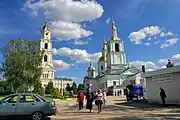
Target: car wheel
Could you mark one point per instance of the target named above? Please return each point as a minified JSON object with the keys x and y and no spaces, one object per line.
{"x":37,"y":116}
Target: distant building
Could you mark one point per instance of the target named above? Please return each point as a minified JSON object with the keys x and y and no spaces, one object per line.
{"x":61,"y":83}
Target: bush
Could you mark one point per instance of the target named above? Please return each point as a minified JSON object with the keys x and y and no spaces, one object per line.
{"x":56,"y":93}
{"x":66,"y":93}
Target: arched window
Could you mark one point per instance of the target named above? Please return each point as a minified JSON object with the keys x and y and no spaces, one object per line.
{"x":116,"y":47}
{"x":101,"y":67}
{"x":45,"y":58}
{"x":46,"y":46}
{"x":92,"y":74}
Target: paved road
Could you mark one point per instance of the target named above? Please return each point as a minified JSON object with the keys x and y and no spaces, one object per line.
{"x":118,"y":109}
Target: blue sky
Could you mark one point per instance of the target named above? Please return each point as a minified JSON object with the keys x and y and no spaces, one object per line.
{"x":149,"y":28}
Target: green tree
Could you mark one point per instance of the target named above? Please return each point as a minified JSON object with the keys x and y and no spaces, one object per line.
{"x":22,"y":64}
{"x":66,"y":93}
{"x":74,"y":88}
{"x":80,"y":87}
{"x":56,"y":93}
{"x":68,"y":87}
{"x":49,"y":88}
{"x":38,"y":89}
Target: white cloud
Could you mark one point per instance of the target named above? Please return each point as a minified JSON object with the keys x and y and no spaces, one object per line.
{"x":157,"y":42}
{"x":147,"y":44}
{"x":66,"y":15}
{"x":149,"y":66}
{"x":137,"y":37}
{"x":149,"y":33}
{"x":80,"y":42}
{"x":169,"y":42}
{"x":68,"y":30}
{"x":175,"y":59}
{"x":166,"y":34}
{"x":81,"y":56}
{"x":149,"y":39}
{"x":61,"y":65}
{"x":108,"y":20}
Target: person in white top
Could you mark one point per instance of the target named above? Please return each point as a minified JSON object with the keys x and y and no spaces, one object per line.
{"x":99,"y":100}
{"x":104,"y":97}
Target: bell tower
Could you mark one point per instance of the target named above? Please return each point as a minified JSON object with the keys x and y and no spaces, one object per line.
{"x":115,"y":54}
{"x":46,"y":47}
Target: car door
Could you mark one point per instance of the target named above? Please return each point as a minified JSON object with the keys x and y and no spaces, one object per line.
{"x":8,"y":105}
{"x":26,"y":105}
{"x":40,"y":104}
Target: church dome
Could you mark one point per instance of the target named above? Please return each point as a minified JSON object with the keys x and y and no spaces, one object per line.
{"x":46,"y":27}
{"x":91,"y":68}
{"x":102,"y":59}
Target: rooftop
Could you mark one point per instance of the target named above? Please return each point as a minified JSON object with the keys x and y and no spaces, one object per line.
{"x":162,"y":71}
{"x":61,"y":78}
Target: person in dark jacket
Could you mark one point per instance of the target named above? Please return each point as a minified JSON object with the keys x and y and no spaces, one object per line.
{"x":163,"y":96}
{"x":90,"y":98}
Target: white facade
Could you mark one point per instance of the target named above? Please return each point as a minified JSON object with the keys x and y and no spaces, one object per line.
{"x":111,"y":66}
{"x":61,"y":83}
{"x":46,"y":46}
{"x":168,"y":79}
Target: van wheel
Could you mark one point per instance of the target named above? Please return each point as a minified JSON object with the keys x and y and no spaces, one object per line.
{"x":37,"y":116}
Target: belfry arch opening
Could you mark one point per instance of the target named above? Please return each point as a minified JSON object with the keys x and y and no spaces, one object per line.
{"x":45,"y":58}
{"x":46,"y":46}
{"x":116,"y":47}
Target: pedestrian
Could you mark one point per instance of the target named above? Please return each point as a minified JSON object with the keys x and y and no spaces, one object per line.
{"x":99,"y":100}
{"x":104,"y":97}
{"x":127,"y":94}
{"x":118,"y":93}
{"x":163,"y":96}
{"x":80,"y":98}
{"x":90,"y":98}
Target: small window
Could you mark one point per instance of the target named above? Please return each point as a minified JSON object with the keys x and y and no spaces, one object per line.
{"x":114,"y":83}
{"x":46,"y":46}
{"x":26,"y":99}
{"x":11,"y":99}
{"x":45,"y":58}
{"x":47,"y":76}
{"x":101,"y":67}
{"x":116,"y":47}
{"x":36,"y":98}
{"x":92,"y":74}
{"x":47,"y":33}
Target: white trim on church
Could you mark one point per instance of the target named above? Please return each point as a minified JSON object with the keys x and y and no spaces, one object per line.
{"x":113,"y":71}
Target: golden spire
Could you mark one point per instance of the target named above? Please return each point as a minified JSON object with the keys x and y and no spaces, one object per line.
{"x":114,"y":31}
{"x":46,"y":26}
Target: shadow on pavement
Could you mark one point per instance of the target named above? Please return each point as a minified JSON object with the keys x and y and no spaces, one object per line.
{"x":20,"y":118}
{"x":142,"y":118}
{"x":146,"y":105}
